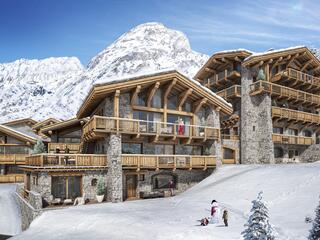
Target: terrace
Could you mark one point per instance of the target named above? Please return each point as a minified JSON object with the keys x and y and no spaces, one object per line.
{"x":98,"y":126}
{"x":291,"y":139}
{"x":295,"y":116}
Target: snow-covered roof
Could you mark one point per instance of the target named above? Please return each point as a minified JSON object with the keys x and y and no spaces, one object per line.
{"x":273,"y":51}
{"x":24,"y":134}
{"x":233,"y":51}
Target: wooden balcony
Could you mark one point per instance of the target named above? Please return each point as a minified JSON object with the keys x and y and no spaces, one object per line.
{"x":66,"y":161}
{"x":11,"y":178}
{"x":290,"y":139}
{"x":18,"y":159}
{"x":230,"y":137}
{"x":297,"y":79}
{"x":73,"y":147}
{"x":282,"y":92}
{"x":99,"y":126}
{"x":224,"y":78}
{"x":231,"y":92}
{"x":295,"y":116}
{"x":156,"y":162}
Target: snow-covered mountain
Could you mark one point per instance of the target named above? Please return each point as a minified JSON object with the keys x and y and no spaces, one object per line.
{"x":55,"y":87}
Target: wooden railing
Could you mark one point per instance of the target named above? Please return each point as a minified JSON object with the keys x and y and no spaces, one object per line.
{"x":302,"y":77}
{"x":73,"y":147}
{"x":295,"y":115}
{"x":141,"y":127}
{"x":142,"y":161}
{"x":229,"y":161}
{"x":11,"y":178}
{"x":43,"y":160}
{"x":231,"y":92}
{"x":278,"y":90}
{"x":18,"y":159}
{"x":223,"y":75}
{"x":230,"y":137}
{"x":290,"y":139}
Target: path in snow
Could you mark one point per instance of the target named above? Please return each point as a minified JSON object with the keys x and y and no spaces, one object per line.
{"x":10,"y":221}
{"x":290,"y":190}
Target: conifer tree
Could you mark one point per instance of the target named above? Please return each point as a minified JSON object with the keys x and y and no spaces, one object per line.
{"x":39,"y":148}
{"x":258,"y":226}
{"x":315,"y":231}
{"x":101,"y":187}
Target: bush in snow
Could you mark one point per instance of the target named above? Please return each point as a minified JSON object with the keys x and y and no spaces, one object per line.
{"x":315,"y":231}
{"x":101,"y":187}
{"x":39,"y":148}
{"x":258,"y":226}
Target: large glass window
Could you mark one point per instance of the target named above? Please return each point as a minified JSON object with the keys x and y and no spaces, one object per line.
{"x":278,"y":152}
{"x":156,"y":100}
{"x":278,"y":130}
{"x":293,"y":132}
{"x":307,"y":133}
{"x":172,"y":102}
{"x":131,"y":148}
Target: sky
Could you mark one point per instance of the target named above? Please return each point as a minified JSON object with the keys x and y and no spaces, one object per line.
{"x":37,"y":29}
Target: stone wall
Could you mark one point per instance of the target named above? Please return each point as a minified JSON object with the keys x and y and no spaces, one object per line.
{"x":29,"y":210}
{"x":311,"y":154}
{"x":44,"y":185}
{"x":114,"y":175}
{"x":88,"y":189}
{"x":256,"y":123}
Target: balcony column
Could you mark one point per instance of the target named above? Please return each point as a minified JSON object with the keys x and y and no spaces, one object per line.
{"x":114,"y":175}
{"x":212,"y":116}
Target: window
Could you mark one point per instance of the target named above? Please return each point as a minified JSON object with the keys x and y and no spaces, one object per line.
{"x":156,"y":100}
{"x":293,"y":132}
{"x":141,"y":177}
{"x":172,"y":102}
{"x":162,"y":180}
{"x":307,"y":133}
{"x":293,"y":153}
{"x":142,"y":99}
{"x":35,"y":180}
{"x":228,"y":153}
{"x":278,"y":152}
{"x":94,"y":182}
{"x":187,"y":107}
{"x":278,"y":130}
{"x":131,"y":148}
{"x":254,"y":128}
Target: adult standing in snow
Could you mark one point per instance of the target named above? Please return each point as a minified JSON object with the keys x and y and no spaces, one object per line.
{"x":215,"y":212}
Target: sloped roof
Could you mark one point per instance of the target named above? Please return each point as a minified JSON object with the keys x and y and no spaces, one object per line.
{"x":22,"y":120}
{"x":23,"y":136}
{"x":100,"y":91}
{"x":44,"y":123}
{"x":63,"y":124}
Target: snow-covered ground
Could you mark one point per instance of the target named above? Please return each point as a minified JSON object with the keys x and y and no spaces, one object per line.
{"x":291,"y":192}
{"x":10,"y":223}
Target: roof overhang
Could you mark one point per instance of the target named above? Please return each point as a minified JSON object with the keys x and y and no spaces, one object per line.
{"x":28,"y":121}
{"x":43,"y":123}
{"x":74,"y":122}
{"x":99,"y":91}
{"x":18,"y":135}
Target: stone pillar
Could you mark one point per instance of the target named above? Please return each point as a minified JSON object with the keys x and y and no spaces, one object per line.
{"x":2,"y":169}
{"x":256,"y":123}
{"x":213,"y":120}
{"x":114,"y":175}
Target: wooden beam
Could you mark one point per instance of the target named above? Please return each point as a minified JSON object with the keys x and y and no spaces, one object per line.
{"x":183,"y":97}
{"x":116,"y":103}
{"x":306,"y":65}
{"x":135,"y":94}
{"x":236,"y":58}
{"x":207,"y":69}
{"x":292,"y":59}
{"x":199,"y":104}
{"x":152,"y":92}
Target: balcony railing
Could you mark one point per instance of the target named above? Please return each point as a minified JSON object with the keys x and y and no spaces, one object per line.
{"x":98,"y":124}
{"x":290,"y":139}
{"x":73,"y":147}
{"x":223,"y":76}
{"x":142,"y":161}
{"x":295,"y":115}
{"x":285,"y":92}
{"x":13,"y":154}
{"x":129,"y":161}
{"x":231,"y":92}
{"x":11,"y":178}
{"x":230,"y":137}
{"x":298,"y":76}
{"x":67,"y":160}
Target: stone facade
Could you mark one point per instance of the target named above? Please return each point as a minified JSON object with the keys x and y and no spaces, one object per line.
{"x":256,"y":123}
{"x":114,"y":175}
{"x":43,"y":186}
{"x":311,"y":154}
{"x":89,"y":179}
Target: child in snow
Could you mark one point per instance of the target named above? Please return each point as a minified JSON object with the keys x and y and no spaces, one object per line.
{"x":225,"y":217}
{"x":204,"y":222}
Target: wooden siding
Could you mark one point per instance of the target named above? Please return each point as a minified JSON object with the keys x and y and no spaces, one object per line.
{"x":290,"y":139}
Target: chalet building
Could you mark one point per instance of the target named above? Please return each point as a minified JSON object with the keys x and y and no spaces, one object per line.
{"x":276,"y":103}
{"x":47,"y":122}
{"x":137,"y":134}
{"x":16,"y":142}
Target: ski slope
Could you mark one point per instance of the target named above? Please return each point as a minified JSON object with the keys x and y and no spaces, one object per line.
{"x":291,"y":192}
{"x":10,"y":223}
